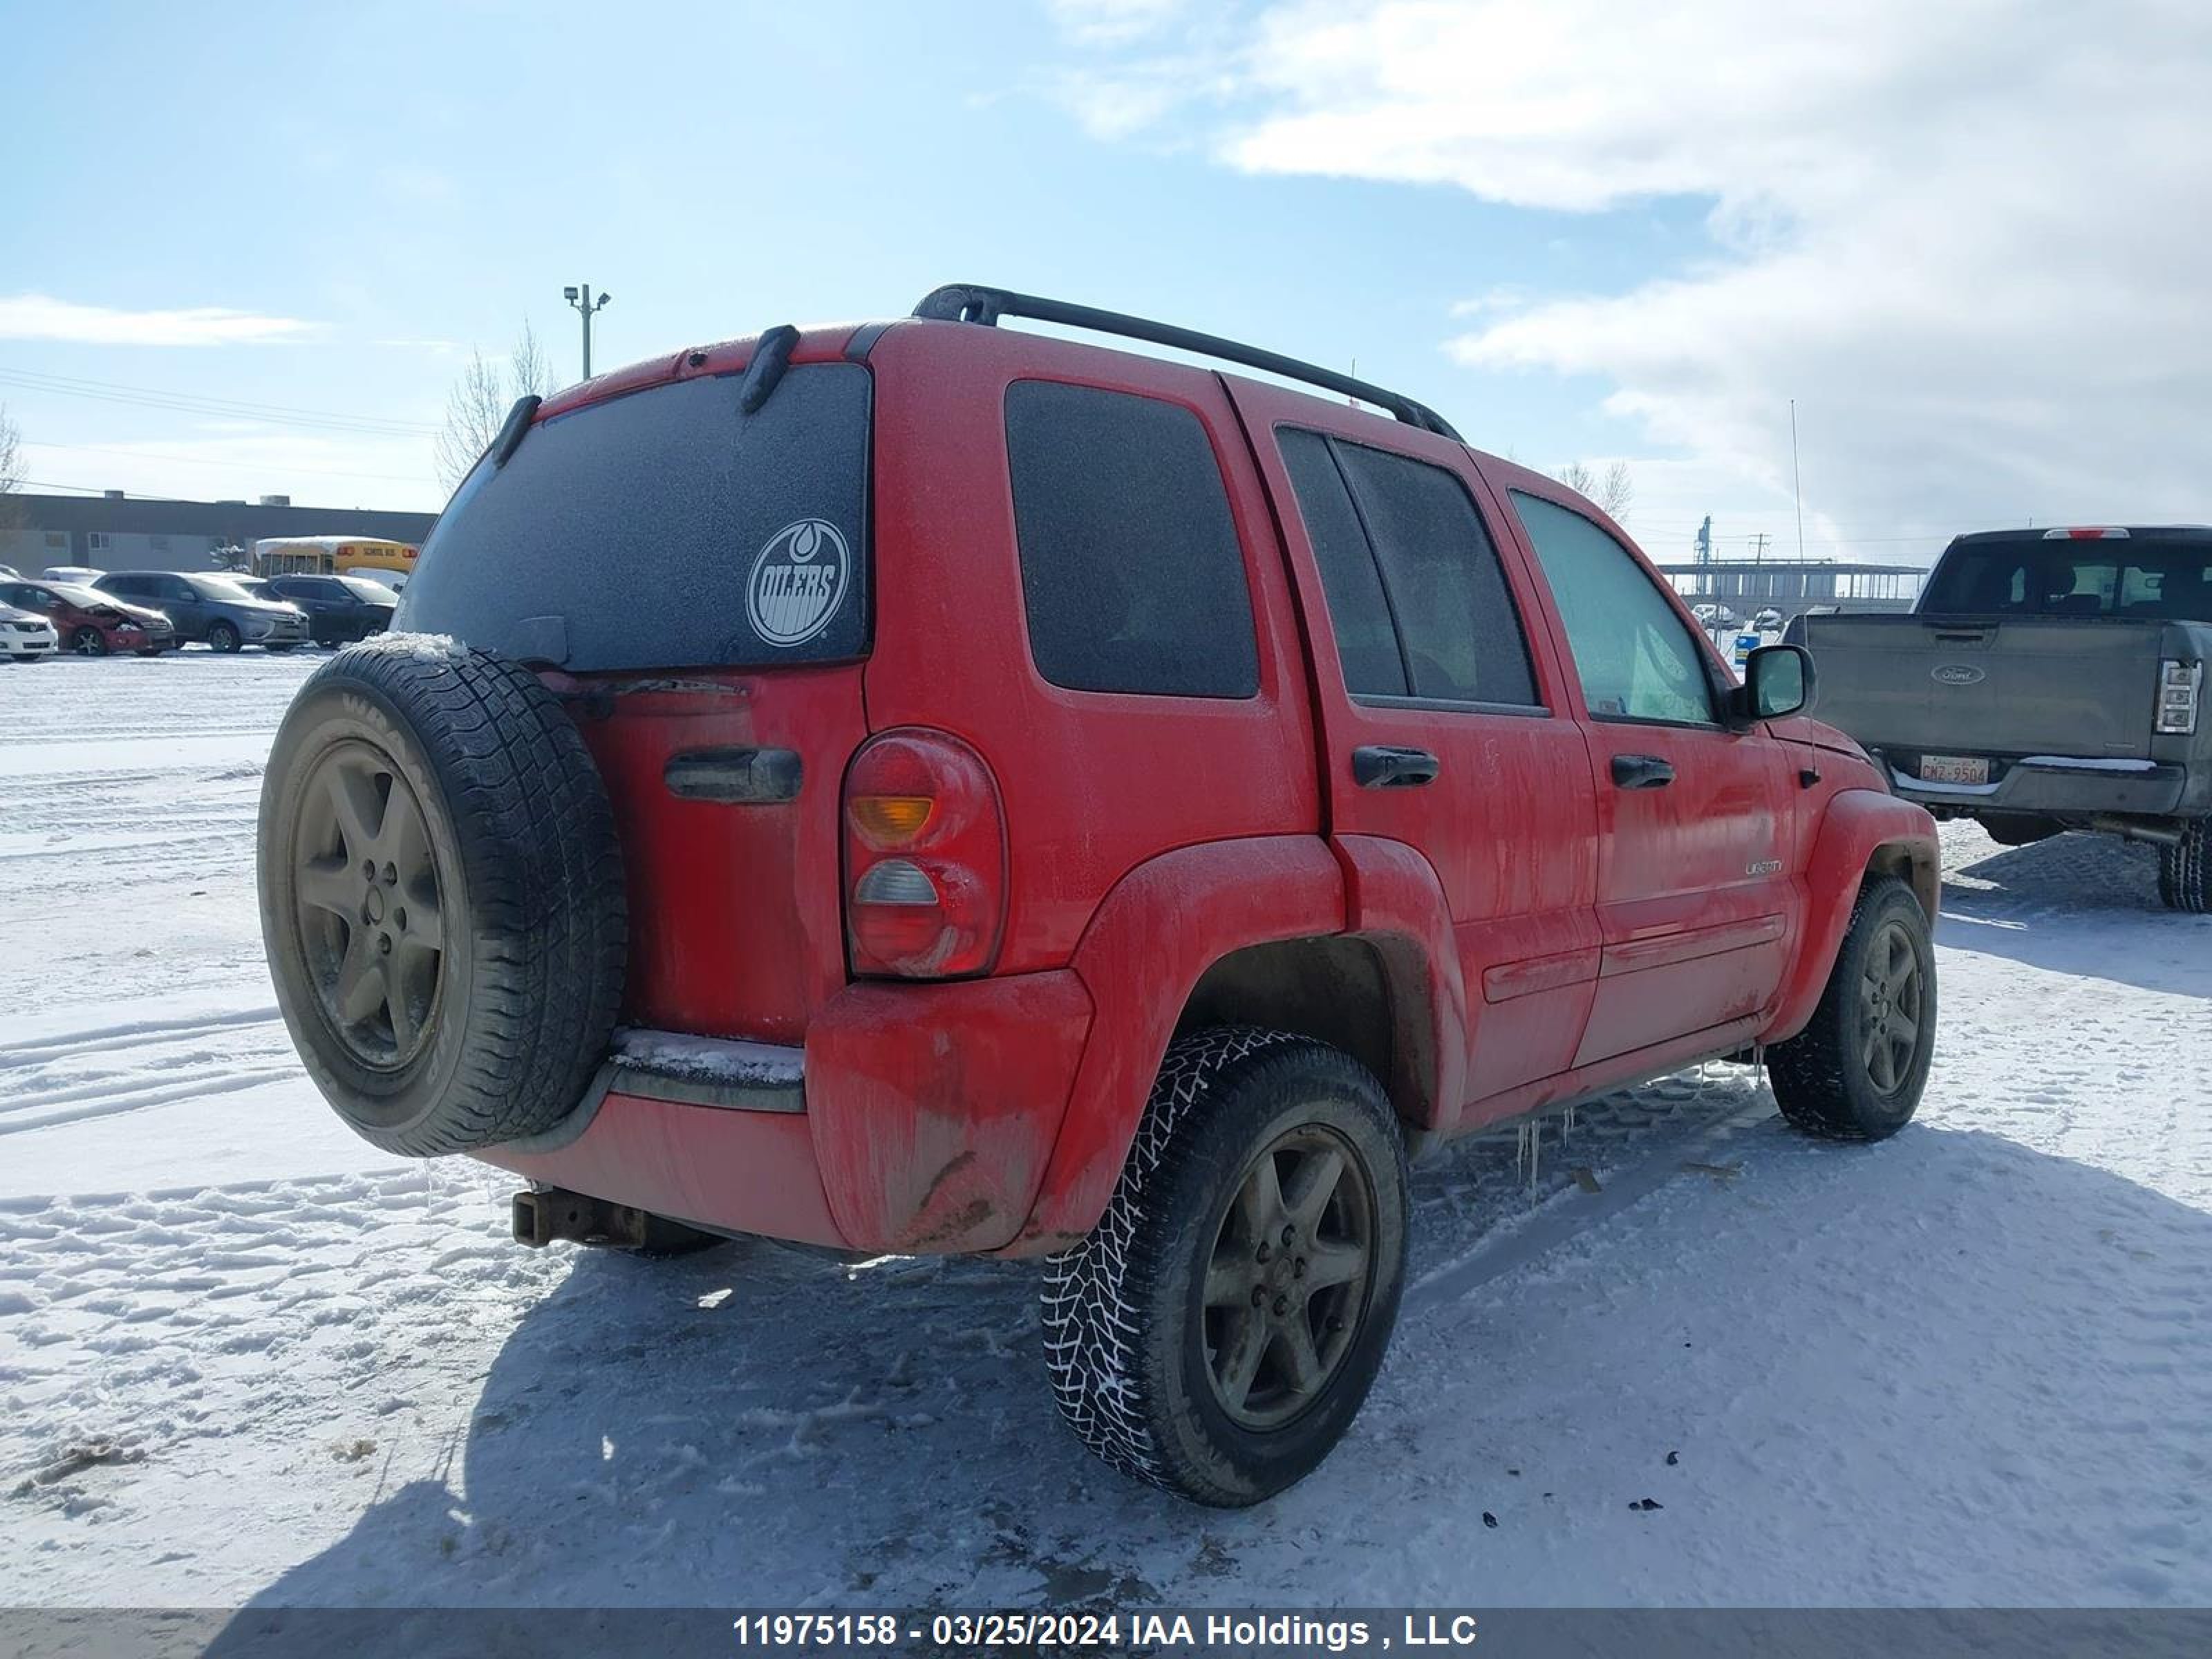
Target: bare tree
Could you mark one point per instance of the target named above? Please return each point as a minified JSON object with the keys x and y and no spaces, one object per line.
{"x":1613,"y":494}
{"x":477,"y":405}
{"x":11,"y":470}
{"x":529,"y":371}
{"x":1617,"y":493}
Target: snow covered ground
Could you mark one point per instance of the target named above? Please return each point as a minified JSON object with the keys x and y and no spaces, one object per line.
{"x":244,"y":1357}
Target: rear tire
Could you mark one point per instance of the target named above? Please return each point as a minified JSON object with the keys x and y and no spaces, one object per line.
{"x":1856,"y":1071}
{"x":441,"y":897}
{"x":2185,"y":870}
{"x":1217,"y":1332}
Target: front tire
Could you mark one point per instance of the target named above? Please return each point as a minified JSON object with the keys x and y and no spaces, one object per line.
{"x":2185,"y":869}
{"x":1219,"y":1330}
{"x":1856,"y":1071}
{"x":88,"y":642}
{"x":223,"y":637}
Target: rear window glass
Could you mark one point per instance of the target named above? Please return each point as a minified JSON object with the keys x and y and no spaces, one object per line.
{"x":2102,"y":578}
{"x":1132,"y":574}
{"x":665,"y":529}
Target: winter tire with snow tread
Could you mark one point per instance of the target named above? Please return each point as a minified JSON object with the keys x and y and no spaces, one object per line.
{"x":1217,"y":1331}
{"x":2185,"y":869}
{"x":441,"y":895}
{"x":1856,"y":1071}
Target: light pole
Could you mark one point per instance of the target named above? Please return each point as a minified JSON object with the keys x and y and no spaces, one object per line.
{"x":580,"y":298}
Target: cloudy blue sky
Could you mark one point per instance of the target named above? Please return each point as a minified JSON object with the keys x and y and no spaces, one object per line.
{"x":247,"y":246}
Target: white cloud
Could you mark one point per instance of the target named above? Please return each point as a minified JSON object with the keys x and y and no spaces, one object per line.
{"x":1112,"y":23}
{"x":38,"y":317}
{"x":1971,"y":239}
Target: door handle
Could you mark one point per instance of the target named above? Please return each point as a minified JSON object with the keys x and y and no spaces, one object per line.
{"x":1641,"y":772}
{"x":1385,"y":766}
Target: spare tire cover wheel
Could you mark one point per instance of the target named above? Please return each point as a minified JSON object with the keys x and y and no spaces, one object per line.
{"x":441,"y":895}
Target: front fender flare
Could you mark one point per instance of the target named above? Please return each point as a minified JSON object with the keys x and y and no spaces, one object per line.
{"x":1859,"y":827}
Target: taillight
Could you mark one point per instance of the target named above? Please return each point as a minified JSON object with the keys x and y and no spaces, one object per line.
{"x":2087,"y":532}
{"x":925,"y":858}
{"x":2179,"y":684}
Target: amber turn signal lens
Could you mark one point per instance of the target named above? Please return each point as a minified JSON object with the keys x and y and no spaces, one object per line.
{"x":889,"y":820}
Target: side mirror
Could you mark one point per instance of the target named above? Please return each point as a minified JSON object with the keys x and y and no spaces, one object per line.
{"x":1778,"y":680}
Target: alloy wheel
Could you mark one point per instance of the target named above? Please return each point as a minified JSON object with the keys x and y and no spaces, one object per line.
{"x":366,"y":904}
{"x":1890,"y":1006}
{"x":1288,"y":1278}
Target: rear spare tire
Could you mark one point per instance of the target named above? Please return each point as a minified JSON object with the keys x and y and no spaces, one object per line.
{"x":441,"y":895}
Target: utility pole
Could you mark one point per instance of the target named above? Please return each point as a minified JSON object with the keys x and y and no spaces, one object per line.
{"x":1758,"y":548}
{"x":1796,"y":479}
{"x":583,"y":302}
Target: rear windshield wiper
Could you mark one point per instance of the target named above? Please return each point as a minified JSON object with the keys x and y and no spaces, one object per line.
{"x":765,"y":372}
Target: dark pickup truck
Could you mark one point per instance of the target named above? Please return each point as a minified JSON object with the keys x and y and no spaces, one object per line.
{"x":2046,"y":680}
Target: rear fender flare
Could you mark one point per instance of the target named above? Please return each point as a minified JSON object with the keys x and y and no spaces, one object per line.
{"x":1864,"y":831}
{"x":1157,"y":931}
{"x":1395,"y":900}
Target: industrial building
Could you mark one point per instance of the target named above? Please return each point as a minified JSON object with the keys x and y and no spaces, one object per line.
{"x":115,"y":532}
{"x":1791,"y":586}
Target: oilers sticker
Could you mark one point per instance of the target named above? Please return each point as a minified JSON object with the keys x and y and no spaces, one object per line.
{"x":798,"y":581}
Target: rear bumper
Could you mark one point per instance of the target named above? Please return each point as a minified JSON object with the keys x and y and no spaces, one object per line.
{"x":2052,"y":785}
{"x":917,"y":1119}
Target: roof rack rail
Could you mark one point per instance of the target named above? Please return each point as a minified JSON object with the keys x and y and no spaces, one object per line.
{"x":966,"y":302}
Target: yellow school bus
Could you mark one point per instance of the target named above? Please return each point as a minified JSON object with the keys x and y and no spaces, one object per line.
{"x":387,"y":561}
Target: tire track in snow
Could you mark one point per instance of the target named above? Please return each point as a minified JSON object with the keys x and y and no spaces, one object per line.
{"x":110,"y":1071}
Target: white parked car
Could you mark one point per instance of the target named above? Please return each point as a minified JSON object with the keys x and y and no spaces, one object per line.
{"x":82,"y":575}
{"x":1768,"y":621}
{"x":24,"y":636}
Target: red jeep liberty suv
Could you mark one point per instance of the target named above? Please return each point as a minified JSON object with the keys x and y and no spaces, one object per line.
{"x":931,"y":786}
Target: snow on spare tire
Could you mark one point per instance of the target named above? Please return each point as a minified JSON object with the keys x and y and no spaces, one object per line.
{"x":441,"y":894}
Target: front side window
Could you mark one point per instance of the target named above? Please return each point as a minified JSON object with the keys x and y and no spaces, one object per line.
{"x":1635,"y":655}
{"x":1133,"y":577}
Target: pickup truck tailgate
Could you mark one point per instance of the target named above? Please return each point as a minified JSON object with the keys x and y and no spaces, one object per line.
{"x":2018,"y":685}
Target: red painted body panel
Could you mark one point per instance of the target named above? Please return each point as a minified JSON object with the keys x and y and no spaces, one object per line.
{"x":934,"y":1108}
{"x":1094,"y":784}
{"x":1696,"y":892}
{"x":1507,"y":783}
{"x":736,"y":925}
{"x":746,"y":1171}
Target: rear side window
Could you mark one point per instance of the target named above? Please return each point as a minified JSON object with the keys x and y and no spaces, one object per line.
{"x":1410,"y":573}
{"x":1132,"y":574}
{"x":1359,"y":610}
{"x":664,"y":529}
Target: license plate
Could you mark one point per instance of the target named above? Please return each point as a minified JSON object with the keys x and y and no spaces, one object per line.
{"x":1954,"y":768}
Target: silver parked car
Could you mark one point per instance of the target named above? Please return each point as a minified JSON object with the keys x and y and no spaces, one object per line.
{"x":212,"y":608}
